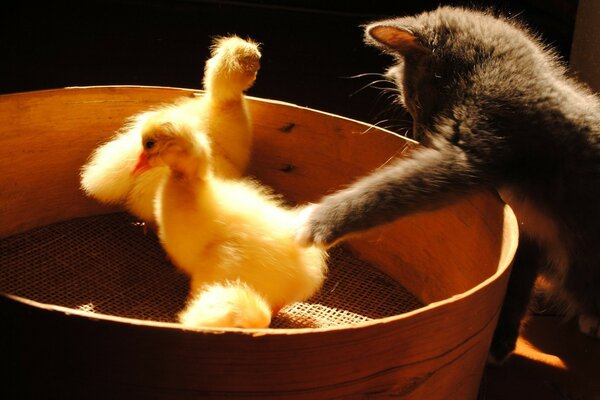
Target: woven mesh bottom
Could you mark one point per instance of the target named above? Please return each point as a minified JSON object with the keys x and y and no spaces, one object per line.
{"x":106,"y":264}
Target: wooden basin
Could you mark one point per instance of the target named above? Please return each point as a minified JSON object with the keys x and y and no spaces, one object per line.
{"x":455,"y":261}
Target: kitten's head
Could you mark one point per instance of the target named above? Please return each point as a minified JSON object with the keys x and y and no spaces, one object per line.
{"x":440,"y":56}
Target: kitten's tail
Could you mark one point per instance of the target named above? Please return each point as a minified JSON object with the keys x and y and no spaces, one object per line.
{"x":229,"y":304}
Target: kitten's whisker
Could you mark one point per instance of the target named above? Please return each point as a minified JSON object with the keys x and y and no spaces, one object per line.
{"x":390,"y":95}
{"x":397,"y":128}
{"x":393,"y":157}
{"x":400,"y":129}
{"x":363,"y":75}
{"x":391,"y":89}
{"x":379,"y":124}
{"x":375,"y":125}
{"x":388,"y":109}
{"x":370,"y":84}
{"x":400,"y":135}
{"x":385,"y":89}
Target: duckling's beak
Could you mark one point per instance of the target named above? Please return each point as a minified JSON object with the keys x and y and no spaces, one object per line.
{"x":142,"y":165}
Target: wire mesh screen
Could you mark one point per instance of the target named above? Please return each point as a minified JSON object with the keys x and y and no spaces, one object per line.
{"x":108,"y":264}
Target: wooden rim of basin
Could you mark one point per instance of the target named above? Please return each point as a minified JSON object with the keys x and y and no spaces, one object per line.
{"x":508,"y":249}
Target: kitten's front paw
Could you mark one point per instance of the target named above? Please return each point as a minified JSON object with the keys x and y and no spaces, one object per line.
{"x":589,"y":325}
{"x":309,"y":231}
{"x":304,"y":236}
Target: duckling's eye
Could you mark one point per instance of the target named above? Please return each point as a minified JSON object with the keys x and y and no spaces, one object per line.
{"x":148,"y":144}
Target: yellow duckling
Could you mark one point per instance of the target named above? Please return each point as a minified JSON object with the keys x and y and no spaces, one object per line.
{"x":221,"y":114}
{"x":233,"y":237}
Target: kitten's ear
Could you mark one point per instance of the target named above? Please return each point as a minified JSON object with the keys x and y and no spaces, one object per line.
{"x":396,"y":39}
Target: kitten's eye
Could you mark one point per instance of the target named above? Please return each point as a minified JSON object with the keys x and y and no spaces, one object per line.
{"x":148,"y":144}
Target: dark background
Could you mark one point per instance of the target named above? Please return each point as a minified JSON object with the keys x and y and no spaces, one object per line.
{"x":310,"y":48}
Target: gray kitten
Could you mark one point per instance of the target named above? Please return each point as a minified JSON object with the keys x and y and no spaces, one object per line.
{"x":493,"y":108}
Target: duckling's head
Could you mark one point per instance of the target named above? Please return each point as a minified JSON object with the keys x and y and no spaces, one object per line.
{"x":175,"y":144}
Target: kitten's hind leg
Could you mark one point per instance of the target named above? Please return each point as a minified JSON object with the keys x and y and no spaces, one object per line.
{"x":522,"y":279}
{"x":589,"y":325}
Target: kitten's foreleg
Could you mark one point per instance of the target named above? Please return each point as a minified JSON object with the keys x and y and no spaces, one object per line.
{"x":430,"y":178}
{"x":520,"y":285}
